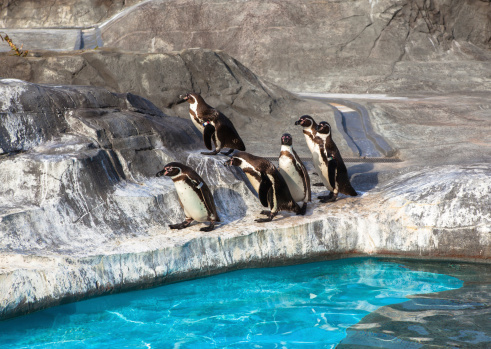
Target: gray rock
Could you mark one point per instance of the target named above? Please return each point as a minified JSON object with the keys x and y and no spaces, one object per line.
{"x":259,"y":110}
{"x":357,"y":46}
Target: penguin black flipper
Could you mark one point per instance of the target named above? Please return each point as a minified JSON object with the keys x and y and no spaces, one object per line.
{"x":200,"y":185}
{"x":208,"y":133}
{"x":227,"y":133}
{"x":210,"y":204}
{"x":305,"y":177}
{"x":264,"y":188}
{"x":331,"y":170}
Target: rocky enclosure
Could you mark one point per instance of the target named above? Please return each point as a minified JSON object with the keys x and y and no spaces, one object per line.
{"x":84,"y":132}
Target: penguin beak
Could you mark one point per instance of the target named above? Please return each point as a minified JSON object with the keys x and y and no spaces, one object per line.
{"x":164,"y":172}
{"x":317,"y":127}
{"x":184,"y":97}
{"x":228,"y":162}
{"x":297,"y":122}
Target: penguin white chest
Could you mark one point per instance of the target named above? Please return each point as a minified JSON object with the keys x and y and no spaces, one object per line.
{"x":308,"y":139}
{"x":249,"y":170}
{"x":292,"y":177}
{"x":254,"y":182}
{"x":193,"y":114}
{"x":193,"y":205}
{"x":321,"y":167}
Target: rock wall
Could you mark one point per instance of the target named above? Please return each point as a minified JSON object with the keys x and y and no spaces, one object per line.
{"x":357,"y":46}
{"x":58,"y":13}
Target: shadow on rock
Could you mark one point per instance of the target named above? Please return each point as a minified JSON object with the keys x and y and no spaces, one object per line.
{"x":230,"y":204}
{"x":361,"y":178}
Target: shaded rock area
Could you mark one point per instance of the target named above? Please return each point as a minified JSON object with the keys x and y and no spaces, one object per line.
{"x":338,"y":46}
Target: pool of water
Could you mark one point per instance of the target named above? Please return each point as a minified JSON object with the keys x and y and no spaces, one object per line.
{"x":309,"y":305}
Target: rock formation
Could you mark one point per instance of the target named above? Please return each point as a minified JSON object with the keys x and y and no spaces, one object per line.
{"x":356,"y":46}
{"x":84,"y":132}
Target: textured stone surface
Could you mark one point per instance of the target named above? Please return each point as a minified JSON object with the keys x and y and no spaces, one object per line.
{"x":338,"y":46}
{"x":58,"y":13}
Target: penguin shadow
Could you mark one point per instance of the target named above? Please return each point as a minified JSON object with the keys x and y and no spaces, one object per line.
{"x":230,"y":205}
{"x":362,"y":178}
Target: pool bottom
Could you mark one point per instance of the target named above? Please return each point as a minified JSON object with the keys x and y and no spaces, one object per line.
{"x":459,"y":318}
{"x":302,"y":306}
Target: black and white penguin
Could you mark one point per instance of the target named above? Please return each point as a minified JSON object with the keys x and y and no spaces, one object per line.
{"x":267,"y":181}
{"x":328,"y":161}
{"x":294,"y":172}
{"x":309,"y":129}
{"x":214,"y":126}
{"x":194,"y":196}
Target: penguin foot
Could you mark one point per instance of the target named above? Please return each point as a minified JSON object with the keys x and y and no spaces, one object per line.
{"x":209,"y":152}
{"x":227,"y":152}
{"x":182,"y":225}
{"x":329,"y":198}
{"x":268,"y":219}
{"x":318,"y":184}
{"x":209,"y":228}
{"x":262,"y":220}
{"x":266,"y":212}
{"x":303,"y":209}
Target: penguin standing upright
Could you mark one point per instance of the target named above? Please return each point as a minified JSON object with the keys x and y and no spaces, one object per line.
{"x":194,"y":196}
{"x":309,"y":129}
{"x":328,"y":160}
{"x":267,"y":181}
{"x":294,"y":172}
{"x":213,"y":125}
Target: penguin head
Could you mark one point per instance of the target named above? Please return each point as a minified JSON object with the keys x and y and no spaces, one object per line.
{"x":233,"y":161}
{"x":286,"y":139}
{"x":305,"y":121}
{"x":170,"y":170}
{"x":324,"y":128}
{"x":191,"y":98}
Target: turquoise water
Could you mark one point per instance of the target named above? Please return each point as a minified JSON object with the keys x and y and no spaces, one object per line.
{"x":303,"y":306}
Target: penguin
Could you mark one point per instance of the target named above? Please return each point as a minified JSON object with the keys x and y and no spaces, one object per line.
{"x":330,"y":164}
{"x":194,"y":196}
{"x":294,"y":172}
{"x":268,"y":182}
{"x":213,"y":125}
{"x":309,"y":129}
